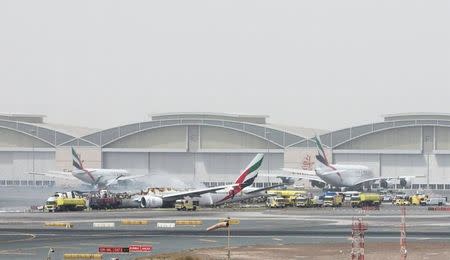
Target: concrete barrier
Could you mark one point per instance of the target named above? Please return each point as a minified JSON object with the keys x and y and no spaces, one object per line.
{"x":59,"y":224}
{"x":83,"y":256}
{"x":104,"y":225}
{"x":134,"y":222}
{"x":188,"y":222}
{"x":368,"y":208}
{"x":439,"y":208}
{"x":165,"y":225}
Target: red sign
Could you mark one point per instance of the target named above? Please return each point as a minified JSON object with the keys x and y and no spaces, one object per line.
{"x":140,"y":248}
{"x":109,"y":249}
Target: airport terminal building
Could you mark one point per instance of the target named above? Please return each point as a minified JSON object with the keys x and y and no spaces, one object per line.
{"x":214,"y":148}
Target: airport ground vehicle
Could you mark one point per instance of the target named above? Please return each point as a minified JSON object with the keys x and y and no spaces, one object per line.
{"x":65,"y":201}
{"x":387,"y":198}
{"x":186,"y":204}
{"x":439,"y":201}
{"x":308,"y":202}
{"x":288,"y":195}
{"x":303,"y":202}
{"x":418,"y":199}
{"x":366,"y":199}
{"x":275,"y":202}
{"x":290,"y":201}
{"x":332,"y":200}
{"x":348,"y":195}
{"x":317,"y":201}
{"x":401,"y":202}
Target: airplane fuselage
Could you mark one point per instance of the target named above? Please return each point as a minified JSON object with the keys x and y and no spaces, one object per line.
{"x":98,"y":176}
{"x":344,"y":175}
{"x":211,"y":199}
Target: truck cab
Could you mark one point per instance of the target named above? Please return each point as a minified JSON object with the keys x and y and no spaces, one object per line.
{"x":303,"y":202}
{"x":332,"y":200}
{"x":275,"y":202}
{"x":50,"y":204}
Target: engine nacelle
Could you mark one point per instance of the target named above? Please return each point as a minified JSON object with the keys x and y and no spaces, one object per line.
{"x":287,"y":180}
{"x":388,"y":183}
{"x":317,"y":184}
{"x":405,"y":182}
{"x":151,"y":202}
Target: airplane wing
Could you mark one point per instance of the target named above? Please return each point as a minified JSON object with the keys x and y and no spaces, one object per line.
{"x":130,"y":177}
{"x":388,"y":178}
{"x":56,"y":174}
{"x":122,"y":178}
{"x":263,"y":189}
{"x":299,"y":171}
{"x":296,"y":176}
{"x":194,"y":193}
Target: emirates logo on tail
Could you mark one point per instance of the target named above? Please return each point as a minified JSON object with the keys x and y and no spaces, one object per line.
{"x":308,"y":163}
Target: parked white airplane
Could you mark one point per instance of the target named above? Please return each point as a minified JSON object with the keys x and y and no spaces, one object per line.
{"x":341,"y":176}
{"x":98,"y":178}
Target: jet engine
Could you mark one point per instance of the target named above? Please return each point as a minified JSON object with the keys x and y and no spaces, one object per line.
{"x":318,"y":184}
{"x":388,"y":183}
{"x":404,"y":182}
{"x":287,"y":180}
{"x":151,"y":202}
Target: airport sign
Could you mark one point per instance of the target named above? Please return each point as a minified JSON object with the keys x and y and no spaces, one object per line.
{"x":113,"y":249}
{"x":141,"y":248}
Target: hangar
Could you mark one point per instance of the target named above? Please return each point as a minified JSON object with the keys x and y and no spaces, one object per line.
{"x":213,"y":148}
{"x":27,"y":144}
{"x":199,"y":147}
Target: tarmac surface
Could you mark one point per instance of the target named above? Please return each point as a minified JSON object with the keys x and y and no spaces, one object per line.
{"x":24,"y":236}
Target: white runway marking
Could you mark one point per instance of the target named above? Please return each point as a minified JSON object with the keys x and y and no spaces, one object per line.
{"x":208,"y":240}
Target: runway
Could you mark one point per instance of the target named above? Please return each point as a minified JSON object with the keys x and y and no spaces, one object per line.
{"x":24,"y":236}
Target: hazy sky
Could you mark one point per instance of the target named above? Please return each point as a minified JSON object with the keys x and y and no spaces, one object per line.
{"x":324,"y":64}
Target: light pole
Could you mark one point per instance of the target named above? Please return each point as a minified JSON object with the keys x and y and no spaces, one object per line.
{"x":229,"y":233}
{"x":268,"y":158}
{"x":33,"y":132}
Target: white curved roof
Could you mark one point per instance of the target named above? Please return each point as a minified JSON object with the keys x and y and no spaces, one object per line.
{"x":256,"y":119}
{"x":417,"y":116}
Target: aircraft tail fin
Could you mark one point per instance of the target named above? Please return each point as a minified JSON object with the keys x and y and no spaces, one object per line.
{"x":76,"y":161}
{"x":321,"y":156}
{"x":246,"y":178}
{"x":249,"y":174}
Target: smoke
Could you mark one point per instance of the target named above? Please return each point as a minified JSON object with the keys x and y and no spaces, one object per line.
{"x":167,"y":180}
